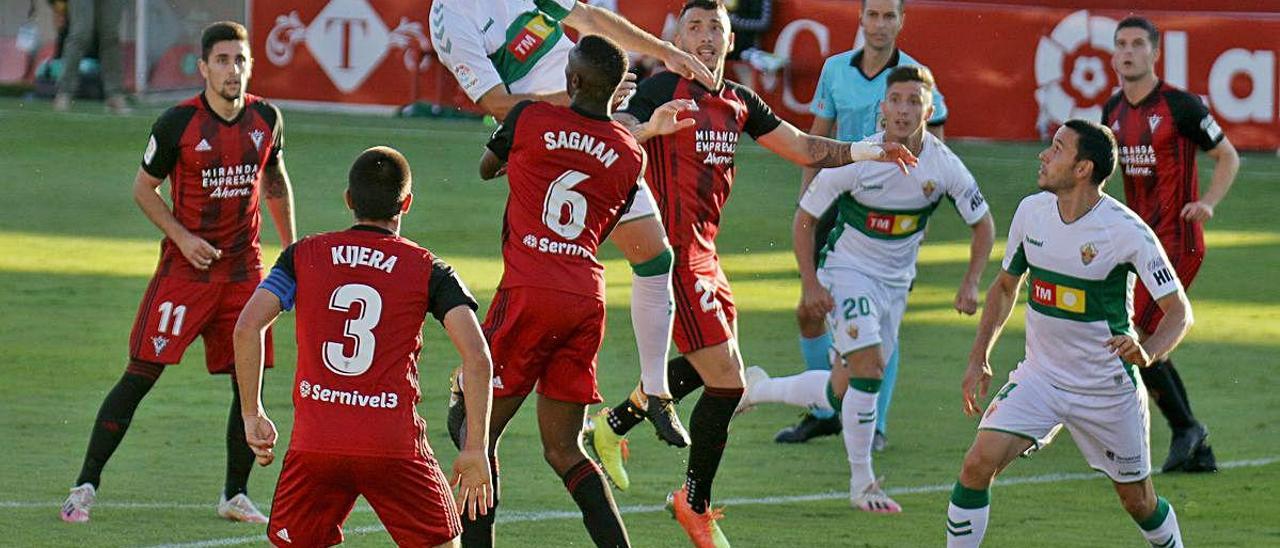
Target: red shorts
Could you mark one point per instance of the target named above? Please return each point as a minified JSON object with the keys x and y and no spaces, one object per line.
{"x":704,"y":306}
{"x":545,"y":337}
{"x":175,"y":310}
{"x":317,"y":491}
{"x":1146,"y":313}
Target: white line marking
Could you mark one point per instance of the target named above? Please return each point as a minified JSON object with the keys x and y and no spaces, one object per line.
{"x":548,"y":515}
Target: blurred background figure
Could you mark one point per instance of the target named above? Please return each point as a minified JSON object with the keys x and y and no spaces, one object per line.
{"x":89,"y":24}
{"x":749,"y":20}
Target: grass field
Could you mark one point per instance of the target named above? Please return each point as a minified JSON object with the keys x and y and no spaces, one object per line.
{"x":76,"y":256}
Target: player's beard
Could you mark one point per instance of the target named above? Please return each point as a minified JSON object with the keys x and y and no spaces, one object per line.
{"x":231,"y":92}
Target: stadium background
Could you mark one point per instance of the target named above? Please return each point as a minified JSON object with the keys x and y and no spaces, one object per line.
{"x":76,"y":255}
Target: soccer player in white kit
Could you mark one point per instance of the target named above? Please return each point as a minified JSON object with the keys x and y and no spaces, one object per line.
{"x":865,"y":270}
{"x":1078,"y":249}
{"x":503,"y":52}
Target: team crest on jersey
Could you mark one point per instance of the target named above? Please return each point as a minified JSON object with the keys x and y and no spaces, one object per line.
{"x":1154,"y":121}
{"x":1115,"y":126}
{"x":929,"y":187}
{"x":158,"y":342}
{"x":257,"y":136}
{"x":852,"y":331}
{"x":1088,"y":252}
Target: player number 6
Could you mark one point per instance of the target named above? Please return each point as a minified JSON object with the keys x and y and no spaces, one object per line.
{"x":560,"y":195}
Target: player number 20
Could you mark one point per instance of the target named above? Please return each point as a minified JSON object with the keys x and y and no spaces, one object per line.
{"x":359,"y":330}
{"x":560,"y":196}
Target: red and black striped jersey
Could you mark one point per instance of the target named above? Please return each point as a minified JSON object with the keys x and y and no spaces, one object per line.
{"x":1158,"y":138}
{"x":691,"y":171}
{"x":215,"y":168}
{"x":572,"y":175}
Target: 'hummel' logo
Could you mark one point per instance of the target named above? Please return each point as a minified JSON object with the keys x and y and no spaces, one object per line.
{"x":1035,"y":242}
{"x":203,"y":146}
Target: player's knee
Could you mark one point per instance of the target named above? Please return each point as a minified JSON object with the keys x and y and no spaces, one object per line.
{"x":978,"y":469}
{"x":1138,"y":503}
{"x":562,"y":458}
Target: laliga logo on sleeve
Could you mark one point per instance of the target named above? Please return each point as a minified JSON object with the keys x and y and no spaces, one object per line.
{"x":1072,"y":73}
{"x":304,"y":388}
{"x":348,"y":40}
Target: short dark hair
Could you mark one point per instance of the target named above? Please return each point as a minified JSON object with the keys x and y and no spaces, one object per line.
{"x":902,"y":6}
{"x":221,"y":32}
{"x":603,"y":63}
{"x":378,"y":183}
{"x":911,"y":73}
{"x":1096,"y":145}
{"x":1135,"y":22}
{"x":702,"y":5}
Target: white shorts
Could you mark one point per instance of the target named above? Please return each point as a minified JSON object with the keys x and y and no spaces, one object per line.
{"x":867,"y":312}
{"x":1112,"y":431}
{"x":641,"y":206}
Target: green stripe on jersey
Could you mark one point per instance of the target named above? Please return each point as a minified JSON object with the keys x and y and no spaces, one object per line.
{"x":882,"y":224}
{"x":552,"y":8}
{"x":1077,"y":299}
{"x":529,"y":37}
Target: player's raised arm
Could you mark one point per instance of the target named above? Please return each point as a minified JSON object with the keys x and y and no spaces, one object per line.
{"x":589,"y":19}
{"x":258,"y":314}
{"x":820,"y":152}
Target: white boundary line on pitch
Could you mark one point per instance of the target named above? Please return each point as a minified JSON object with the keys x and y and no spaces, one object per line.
{"x":548,"y":515}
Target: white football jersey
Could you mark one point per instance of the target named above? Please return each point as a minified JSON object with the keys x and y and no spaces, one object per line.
{"x":1080,"y":288}
{"x":882,"y":213}
{"x":485,"y":43}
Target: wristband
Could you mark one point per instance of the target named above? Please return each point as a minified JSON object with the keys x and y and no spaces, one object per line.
{"x":862,"y":151}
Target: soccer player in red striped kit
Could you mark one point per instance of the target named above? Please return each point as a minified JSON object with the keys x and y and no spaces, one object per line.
{"x":221,"y":151}
{"x":1159,"y":129}
{"x":362,"y":295}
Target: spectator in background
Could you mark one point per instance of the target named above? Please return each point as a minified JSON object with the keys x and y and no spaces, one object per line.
{"x":87,"y":18}
{"x":749,"y":20}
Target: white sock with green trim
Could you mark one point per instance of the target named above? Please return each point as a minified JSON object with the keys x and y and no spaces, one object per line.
{"x":858,"y":423}
{"x":651,"y":318}
{"x":807,"y":389}
{"x":1161,"y":528}
{"x":967,"y":516}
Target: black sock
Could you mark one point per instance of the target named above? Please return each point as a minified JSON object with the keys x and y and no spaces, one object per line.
{"x":1182,"y":389}
{"x":599,"y":513}
{"x":239,"y":454}
{"x":1159,"y":379}
{"x":114,"y":417}
{"x":709,"y":432}
{"x":682,"y":379}
{"x":478,"y":533}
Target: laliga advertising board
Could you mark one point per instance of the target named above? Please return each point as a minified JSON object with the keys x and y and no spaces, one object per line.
{"x":1009,"y":72}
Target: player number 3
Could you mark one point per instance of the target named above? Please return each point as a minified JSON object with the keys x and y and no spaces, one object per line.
{"x":358,"y":329}
{"x":560,"y":196}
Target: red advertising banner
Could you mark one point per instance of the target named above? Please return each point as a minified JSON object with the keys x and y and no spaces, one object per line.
{"x":1009,"y":70}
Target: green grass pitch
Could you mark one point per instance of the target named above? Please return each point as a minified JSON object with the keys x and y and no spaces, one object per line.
{"x":75,"y":255}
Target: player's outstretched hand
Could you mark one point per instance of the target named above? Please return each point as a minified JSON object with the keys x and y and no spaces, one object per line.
{"x":260,"y":433}
{"x":977,"y":381}
{"x":688,"y":66}
{"x":898,"y":154}
{"x":625,"y":89}
{"x":1129,"y":350}
{"x":665,"y":119}
{"x":1197,"y":212}
{"x":471,"y":481}
{"x":816,"y":300}
{"x":967,"y":299}
{"x":198,"y":252}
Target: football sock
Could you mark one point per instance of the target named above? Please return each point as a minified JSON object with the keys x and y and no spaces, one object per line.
{"x":239,"y":455}
{"x":886,"y":392}
{"x":967,"y":516}
{"x":815,"y":351}
{"x":807,"y":389}
{"x":1182,"y":389}
{"x":708,"y":432}
{"x":651,"y":317}
{"x":1161,"y":528}
{"x":114,"y":417}
{"x":1159,"y":379}
{"x":599,"y":513}
{"x":858,"y":418}
{"x":682,"y":379}
{"x":478,"y":533}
